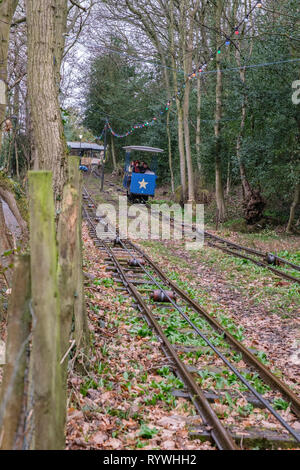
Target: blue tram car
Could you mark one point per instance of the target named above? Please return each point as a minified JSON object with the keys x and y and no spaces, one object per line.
{"x":140,"y":178}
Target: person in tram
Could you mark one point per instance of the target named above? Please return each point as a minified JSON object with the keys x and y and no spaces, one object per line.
{"x":137,"y":167}
{"x":145,"y":169}
{"x":133,"y":168}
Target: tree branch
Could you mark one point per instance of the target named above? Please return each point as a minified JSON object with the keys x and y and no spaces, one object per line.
{"x":77,"y":5}
{"x":19,"y":21}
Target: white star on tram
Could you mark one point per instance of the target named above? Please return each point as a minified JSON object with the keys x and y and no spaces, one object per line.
{"x":143,"y":184}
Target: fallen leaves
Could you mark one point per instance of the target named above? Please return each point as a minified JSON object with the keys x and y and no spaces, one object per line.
{"x":172,"y":422}
{"x":112,"y":414}
{"x":99,"y":438}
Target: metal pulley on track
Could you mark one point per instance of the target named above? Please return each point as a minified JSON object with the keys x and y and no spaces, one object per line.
{"x":117,"y":241}
{"x":159,"y":296}
{"x":271,"y":259}
{"x":136,"y":262}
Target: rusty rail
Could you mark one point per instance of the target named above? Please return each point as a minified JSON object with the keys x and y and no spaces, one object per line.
{"x":222,"y":440}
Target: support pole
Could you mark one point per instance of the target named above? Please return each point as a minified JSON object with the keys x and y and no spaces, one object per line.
{"x":81,"y":323}
{"x":67,"y":234}
{"x":46,"y":353}
{"x":103,"y":165}
{"x":18,"y":331}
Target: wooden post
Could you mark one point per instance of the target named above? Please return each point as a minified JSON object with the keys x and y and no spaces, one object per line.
{"x":46,"y":352}
{"x":18,"y":331}
{"x":81,"y":323}
{"x":67,"y":238}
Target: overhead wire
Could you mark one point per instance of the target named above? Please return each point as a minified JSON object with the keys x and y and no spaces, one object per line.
{"x":201,"y":70}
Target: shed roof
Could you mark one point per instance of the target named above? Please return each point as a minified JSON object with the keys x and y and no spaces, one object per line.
{"x":143,"y":149}
{"x":85,"y":146}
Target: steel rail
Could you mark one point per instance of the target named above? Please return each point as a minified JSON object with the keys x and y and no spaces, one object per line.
{"x":250,"y":359}
{"x":221,"y":437}
{"x":275,"y":383}
{"x":250,"y":250}
{"x":219,"y":434}
{"x":234,"y":370}
{"x":241,"y":247}
{"x":223,"y":358}
{"x":258,"y":263}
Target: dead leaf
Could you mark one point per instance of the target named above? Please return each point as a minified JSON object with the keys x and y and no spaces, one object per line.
{"x":169,"y":445}
{"x":99,"y":437}
{"x":113,"y":443}
{"x":74,"y":414}
{"x":173,"y":422}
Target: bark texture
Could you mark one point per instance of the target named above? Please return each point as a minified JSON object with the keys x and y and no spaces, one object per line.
{"x":44,"y":55}
{"x":217,"y":128}
{"x":67,"y":274}
{"x":46,"y":352}
{"x":18,"y":330}
{"x":294,"y":204}
{"x":7,"y":10}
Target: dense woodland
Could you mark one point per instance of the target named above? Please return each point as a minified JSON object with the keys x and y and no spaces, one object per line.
{"x":233,"y":123}
{"x":214,"y":83}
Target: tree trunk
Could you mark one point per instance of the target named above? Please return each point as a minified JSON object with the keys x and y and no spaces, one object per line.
{"x":49,"y":146}
{"x":170,"y":153}
{"x":198,"y":129}
{"x":61,"y":14}
{"x":6,"y":244}
{"x":186,"y":39}
{"x":218,"y":169}
{"x":113,"y":152}
{"x":217,"y":127}
{"x":253,"y":201}
{"x":228,"y":182}
{"x":296,"y":201}
{"x":191,"y":192}
{"x":178,"y":104}
{"x":7,"y":10}
{"x":10,"y":200}
{"x":181,"y":149}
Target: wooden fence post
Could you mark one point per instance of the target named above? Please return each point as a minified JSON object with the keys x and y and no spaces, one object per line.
{"x":18,"y":332}
{"x":81,"y":323}
{"x":67,"y":266}
{"x":46,"y":352}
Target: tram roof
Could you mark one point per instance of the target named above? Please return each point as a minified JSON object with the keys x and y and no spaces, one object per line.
{"x":141,"y":148}
{"x":85,"y":146}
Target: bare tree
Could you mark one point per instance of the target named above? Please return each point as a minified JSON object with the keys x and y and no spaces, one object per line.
{"x":7,"y":10}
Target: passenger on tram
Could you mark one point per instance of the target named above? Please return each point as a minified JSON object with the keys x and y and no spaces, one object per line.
{"x":145,"y":169}
{"x":137,"y":166}
{"x":133,"y":168}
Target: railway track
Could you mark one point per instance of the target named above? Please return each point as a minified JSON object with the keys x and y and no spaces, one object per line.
{"x":269,"y":261}
{"x":189,"y":334}
{"x":265,"y":260}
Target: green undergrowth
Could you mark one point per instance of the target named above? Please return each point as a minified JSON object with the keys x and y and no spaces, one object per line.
{"x":243,"y":277}
{"x":15,"y":188}
{"x":151,"y":387}
{"x":180,"y":332}
{"x":258,"y":284}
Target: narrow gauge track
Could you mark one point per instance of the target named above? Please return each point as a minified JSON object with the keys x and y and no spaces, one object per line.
{"x":265,"y":260}
{"x":138,"y":274}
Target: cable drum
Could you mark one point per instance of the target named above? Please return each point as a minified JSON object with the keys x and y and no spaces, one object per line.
{"x":136,"y":262}
{"x":159,"y":296}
